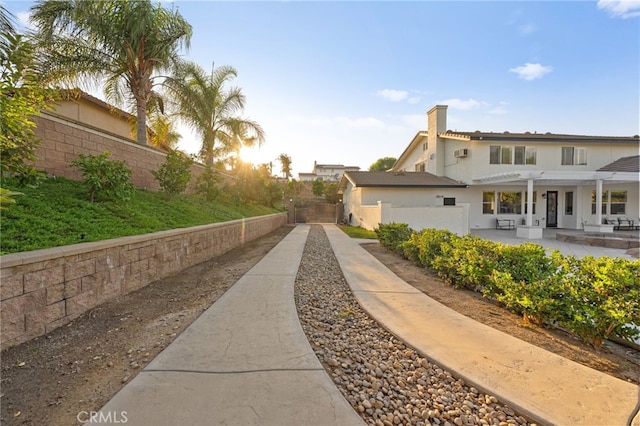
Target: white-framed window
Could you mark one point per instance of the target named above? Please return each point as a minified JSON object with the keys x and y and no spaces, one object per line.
{"x":509,"y":202}
{"x":525,"y":155}
{"x":420,"y":167}
{"x":568,"y":203}
{"x":488,"y":202}
{"x":572,"y":156}
{"x":618,"y":204}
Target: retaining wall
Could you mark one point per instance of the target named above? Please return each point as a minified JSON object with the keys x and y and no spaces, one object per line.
{"x":61,"y":140}
{"x":42,"y":290}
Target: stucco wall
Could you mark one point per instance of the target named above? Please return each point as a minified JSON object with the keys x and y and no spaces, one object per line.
{"x":44,"y":289}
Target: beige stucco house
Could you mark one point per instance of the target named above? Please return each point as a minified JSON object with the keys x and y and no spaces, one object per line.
{"x":527,"y":181}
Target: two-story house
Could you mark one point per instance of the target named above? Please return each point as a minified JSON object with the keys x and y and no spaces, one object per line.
{"x":327,"y":172}
{"x":466,"y":180}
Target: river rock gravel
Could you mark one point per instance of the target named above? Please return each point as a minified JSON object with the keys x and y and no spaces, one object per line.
{"x":387,"y":382}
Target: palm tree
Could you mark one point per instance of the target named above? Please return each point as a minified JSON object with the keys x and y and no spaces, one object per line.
{"x":211,"y":109}
{"x":285,"y":165}
{"x":162,"y":132}
{"x":125,"y":42}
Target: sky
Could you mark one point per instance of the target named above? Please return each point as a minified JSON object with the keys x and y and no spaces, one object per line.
{"x":349,"y":82}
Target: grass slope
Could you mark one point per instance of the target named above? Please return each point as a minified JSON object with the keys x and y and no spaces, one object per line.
{"x":58,"y":212}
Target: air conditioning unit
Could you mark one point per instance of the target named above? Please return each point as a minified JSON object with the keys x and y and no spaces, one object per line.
{"x":459,"y":153}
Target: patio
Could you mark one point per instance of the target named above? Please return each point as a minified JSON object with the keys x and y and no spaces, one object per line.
{"x":569,"y":247}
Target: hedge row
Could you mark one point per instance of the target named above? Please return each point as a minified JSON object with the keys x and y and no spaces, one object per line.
{"x":592,"y":297}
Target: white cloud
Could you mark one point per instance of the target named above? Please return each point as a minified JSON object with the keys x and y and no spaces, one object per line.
{"x":531,"y":71}
{"x":462,"y":104}
{"x":620,"y":8}
{"x":393,"y":95}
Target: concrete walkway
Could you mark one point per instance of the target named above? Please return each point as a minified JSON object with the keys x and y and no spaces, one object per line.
{"x":244,"y":361}
{"x":547,"y":387}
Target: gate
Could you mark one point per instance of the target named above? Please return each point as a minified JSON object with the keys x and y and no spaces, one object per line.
{"x":317,"y":213}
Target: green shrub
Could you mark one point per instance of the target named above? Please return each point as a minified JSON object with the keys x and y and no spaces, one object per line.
{"x":207,"y":183}
{"x":111,"y":178}
{"x":606,"y":295}
{"x":175,"y":173}
{"x":393,"y":235}
{"x":425,"y":246}
{"x":467,"y":262}
{"x":543,"y":300}
{"x":593,"y":298}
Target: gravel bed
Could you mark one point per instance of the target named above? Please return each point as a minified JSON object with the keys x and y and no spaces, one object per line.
{"x":385,"y":381}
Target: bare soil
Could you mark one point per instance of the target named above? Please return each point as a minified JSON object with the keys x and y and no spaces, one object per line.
{"x":52,"y":380}
{"x":80,"y":366}
{"x":613,"y":359}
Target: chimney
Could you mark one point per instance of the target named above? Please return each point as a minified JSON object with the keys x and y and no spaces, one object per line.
{"x":436,"y":123}
{"x":437,"y":120}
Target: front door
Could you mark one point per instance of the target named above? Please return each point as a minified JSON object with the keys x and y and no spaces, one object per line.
{"x":552,"y":209}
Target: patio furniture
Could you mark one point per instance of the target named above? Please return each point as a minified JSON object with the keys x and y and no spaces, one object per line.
{"x":625,"y":223}
{"x":505,"y":224}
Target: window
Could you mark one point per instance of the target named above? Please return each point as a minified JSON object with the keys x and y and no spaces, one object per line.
{"x":605,"y":197}
{"x":488,"y":202}
{"x":425,"y":146}
{"x":530,"y":155}
{"x":518,"y":155}
{"x":505,"y":155}
{"x":420,"y":167}
{"x":494,"y":155}
{"x":509,"y":202}
{"x":573,"y":156}
{"x":568,"y":203}
{"x":618,"y":202}
{"x":526,"y":199}
{"x":512,"y":155}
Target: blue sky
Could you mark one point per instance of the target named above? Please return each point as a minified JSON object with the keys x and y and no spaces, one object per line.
{"x":350,"y":82}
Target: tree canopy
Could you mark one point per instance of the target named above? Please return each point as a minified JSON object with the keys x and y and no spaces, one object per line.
{"x":382,"y":164}
{"x":205,"y":103}
{"x":123,"y":43}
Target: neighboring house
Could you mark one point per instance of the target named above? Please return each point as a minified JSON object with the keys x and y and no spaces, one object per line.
{"x":327,"y":172}
{"x":575,"y":182}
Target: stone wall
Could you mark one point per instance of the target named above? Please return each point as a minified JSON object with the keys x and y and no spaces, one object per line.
{"x":42,"y":290}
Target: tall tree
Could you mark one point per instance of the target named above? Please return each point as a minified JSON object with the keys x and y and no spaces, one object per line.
{"x":285,"y":165}
{"x":382,"y":164}
{"x":212,"y":110}
{"x":22,"y":96}
{"x":125,"y":42}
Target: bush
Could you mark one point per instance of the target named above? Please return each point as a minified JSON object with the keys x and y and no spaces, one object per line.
{"x":467,"y":262}
{"x":207,"y":183}
{"x":111,"y":178}
{"x":175,"y":173}
{"x":393,"y":235}
{"x":606,"y":298}
{"x":425,"y":246}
